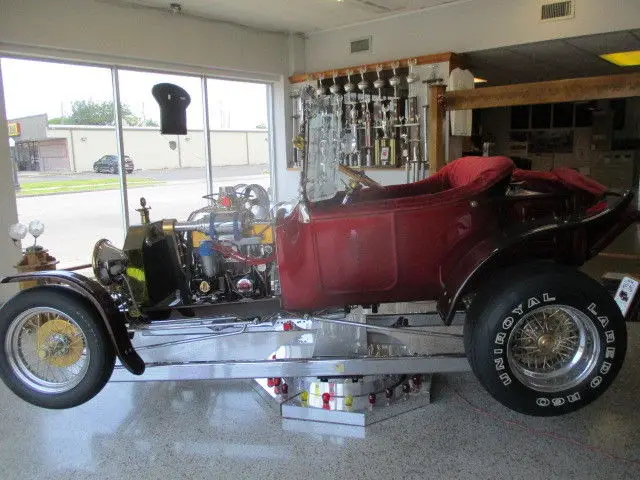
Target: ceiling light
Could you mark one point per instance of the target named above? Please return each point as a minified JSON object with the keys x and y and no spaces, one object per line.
{"x":623,"y":59}
{"x":479,"y":80}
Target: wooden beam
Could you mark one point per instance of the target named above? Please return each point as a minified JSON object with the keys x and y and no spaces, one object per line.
{"x":436,"y":128}
{"x":371,"y":67}
{"x":572,"y":90}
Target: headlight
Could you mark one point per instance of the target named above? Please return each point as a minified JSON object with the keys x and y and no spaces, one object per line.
{"x":108,"y":262}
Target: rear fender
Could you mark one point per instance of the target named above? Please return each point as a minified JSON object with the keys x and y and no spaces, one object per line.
{"x":100,"y":299}
{"x":566,"y":240}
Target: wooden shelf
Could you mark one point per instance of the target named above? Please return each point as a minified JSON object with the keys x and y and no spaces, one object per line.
{"x":371,"y":67}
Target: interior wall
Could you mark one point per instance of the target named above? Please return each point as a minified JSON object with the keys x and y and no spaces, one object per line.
{"x":139,"y":35}
{"x":464,"y":26}
{"x":10,"y":253}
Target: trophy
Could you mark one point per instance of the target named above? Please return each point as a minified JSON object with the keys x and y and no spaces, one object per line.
{"x":363,"y":85}
{"x":320,"y":90}
{"x":335,"y":88}
{"x":412,"y":76}
{"x":394,"y":81}
{"x":378,"y":83}
{"x":349,"y":87}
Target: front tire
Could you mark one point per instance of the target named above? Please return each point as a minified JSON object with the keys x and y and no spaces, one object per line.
{"x":54,"y":350}
{"x":545,"y":339}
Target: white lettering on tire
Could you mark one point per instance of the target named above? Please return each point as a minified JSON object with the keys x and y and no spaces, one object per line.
{"x":596,"y":381}
{"x":574,"y":397}
{"x":592,"y":309}
{"x":604,"y":321}
{"x":611,"y":336}
{"x":499,"y":363}
{"x":557,"y":402}
{"x":533,"y":301}
{"x":548,"y":298}
{"x":543,"y":402}
{"x":506,"y":379}
{"x":606,"y":366}
{"x":610,"y":352}
{"x":500,"y":338}
{"x":507,"y":323}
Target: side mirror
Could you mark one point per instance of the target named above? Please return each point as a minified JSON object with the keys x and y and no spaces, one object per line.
{"x":173,"y":101}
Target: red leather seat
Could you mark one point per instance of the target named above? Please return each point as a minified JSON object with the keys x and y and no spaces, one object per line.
{"x":466,"y":176}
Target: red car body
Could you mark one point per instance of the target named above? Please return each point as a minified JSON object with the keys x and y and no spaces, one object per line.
{"x":427,"y":240}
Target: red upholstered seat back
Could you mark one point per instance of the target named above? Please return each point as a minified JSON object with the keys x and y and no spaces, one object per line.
{"x":479,"y":172}
{"x":460,"y":178}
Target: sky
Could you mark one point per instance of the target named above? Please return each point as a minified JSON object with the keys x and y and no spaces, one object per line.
{"x":35,"y":87}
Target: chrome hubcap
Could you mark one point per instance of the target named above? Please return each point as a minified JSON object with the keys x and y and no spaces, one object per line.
{"x":553,"y":348}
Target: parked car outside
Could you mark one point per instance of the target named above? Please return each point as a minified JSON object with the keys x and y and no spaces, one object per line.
{"x":109,"y":164}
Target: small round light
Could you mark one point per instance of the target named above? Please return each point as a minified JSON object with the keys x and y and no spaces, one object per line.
{"x":287,"y":326}
{"x":36,"y":228}
{"x":17,"y":231}
{"x":277,"y":389}
{"x":326,"y":397}
{"x":269,"y":382}
{"x":277,"y":381}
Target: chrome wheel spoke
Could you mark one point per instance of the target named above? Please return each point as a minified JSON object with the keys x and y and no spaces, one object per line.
{"x":553,"y":348}
{"x":47,"y":350}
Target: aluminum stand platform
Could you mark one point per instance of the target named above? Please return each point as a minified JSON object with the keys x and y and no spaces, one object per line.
{"x":321,"y":371}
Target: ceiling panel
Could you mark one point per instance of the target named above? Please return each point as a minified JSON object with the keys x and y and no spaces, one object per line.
{"x":291,"y":15}
{"x":607,"y":43}
{"x":552,"y":60}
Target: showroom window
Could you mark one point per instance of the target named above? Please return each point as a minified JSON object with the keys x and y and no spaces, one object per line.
{"x":65,"y":148}
{"x":61,"y":124}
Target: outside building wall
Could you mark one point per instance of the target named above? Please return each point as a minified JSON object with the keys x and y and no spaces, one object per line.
{"x":151,"y":150}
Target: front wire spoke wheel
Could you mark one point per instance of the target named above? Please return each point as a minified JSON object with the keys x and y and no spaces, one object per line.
{"x":47,"y":350}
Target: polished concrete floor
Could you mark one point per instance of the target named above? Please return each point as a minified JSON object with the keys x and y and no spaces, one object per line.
{"x":222,"y":429}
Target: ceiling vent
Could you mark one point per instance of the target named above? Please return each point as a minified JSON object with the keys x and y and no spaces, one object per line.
{"x":361,"y":45}
{"x":557,"y":10}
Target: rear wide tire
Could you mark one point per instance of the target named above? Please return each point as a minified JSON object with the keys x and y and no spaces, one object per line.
{"x":545,"y":339}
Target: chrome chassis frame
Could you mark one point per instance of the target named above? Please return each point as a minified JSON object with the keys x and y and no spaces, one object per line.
{"x":322,"y":367}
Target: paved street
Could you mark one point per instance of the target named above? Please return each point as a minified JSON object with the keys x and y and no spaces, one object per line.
{"x":75,"y":221}
{"x":165,"y":175}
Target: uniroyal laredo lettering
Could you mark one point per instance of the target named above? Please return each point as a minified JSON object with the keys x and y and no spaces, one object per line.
{"x":543,"y":402}
{"x":604,"y":321}
{"x":497,"y":351}
{"x":532,"y":302}
{"x":547,"y":298}
{"x":500,"y":338}
{"x":596,"y":381}
{"x":574,"y":397}
{"x":604,"y":369}
{"x":507,"y":323}
{"x":610,"y":352}
{"x":558,"y":401}
{"x":499,"y":361}
{"x":506,"y":379}
{"x":611,"y":336}
{"x":518,"y":311}
{"x":592,"y":309}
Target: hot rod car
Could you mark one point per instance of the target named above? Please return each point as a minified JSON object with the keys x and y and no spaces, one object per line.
{"x":479,"y":236}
